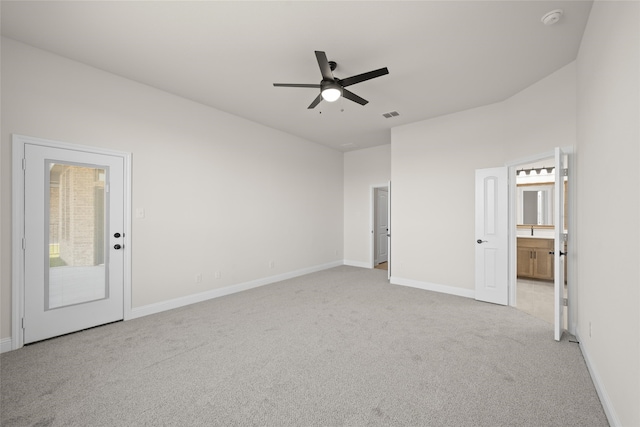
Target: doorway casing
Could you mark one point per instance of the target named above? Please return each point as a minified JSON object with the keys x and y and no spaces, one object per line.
{"x":372,"y":222}
{"x":571,"y":291}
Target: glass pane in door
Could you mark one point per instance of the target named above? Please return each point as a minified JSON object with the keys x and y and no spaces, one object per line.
{"x":76,"y":236}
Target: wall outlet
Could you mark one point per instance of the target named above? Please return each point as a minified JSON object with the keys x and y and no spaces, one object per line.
{"x":199,"y":278}
{"x":272,"y":264}
{"x":217,"y":275}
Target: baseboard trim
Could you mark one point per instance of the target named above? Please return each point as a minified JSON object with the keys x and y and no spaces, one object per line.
{"x":228,"y":290}
{"x":435,"y":287}
{"x":607,"y":406}
{"x":360,"y":264}
{"x":6,"y":344}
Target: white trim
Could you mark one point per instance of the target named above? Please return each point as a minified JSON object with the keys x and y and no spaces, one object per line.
{"x":435,"y":287}
{"x":570,"y":258}
{"x":605,"y":400}
{"x":361,"y":264}
{"x":17,"y":200}
{"x":128,"y":253}
{"x":6,"y":344}
{"x":17,"y":234}
{"x":220,"y":292}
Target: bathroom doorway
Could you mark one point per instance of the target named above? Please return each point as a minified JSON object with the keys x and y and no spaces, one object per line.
{"x":533,"y":245}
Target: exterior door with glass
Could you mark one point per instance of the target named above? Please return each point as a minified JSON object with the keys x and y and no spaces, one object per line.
{"x":73,"y":240}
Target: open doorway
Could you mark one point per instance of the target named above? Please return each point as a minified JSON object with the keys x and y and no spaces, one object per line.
{"x":380,"y":227}
{"x":533,"y":228}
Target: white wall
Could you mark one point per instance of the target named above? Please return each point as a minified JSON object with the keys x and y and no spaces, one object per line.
{"x":363,"y":169}
{"x":433,"y":165}
{"x":607,"y":201}
{"x":221,"y":193}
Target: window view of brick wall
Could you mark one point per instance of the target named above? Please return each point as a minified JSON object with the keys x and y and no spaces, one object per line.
{"x":76,"y":215}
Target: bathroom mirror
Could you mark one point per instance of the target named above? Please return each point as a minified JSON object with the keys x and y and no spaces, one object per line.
{"x":535,"y":204}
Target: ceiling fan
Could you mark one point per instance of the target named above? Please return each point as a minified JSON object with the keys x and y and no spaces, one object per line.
{"x":332,"y":88}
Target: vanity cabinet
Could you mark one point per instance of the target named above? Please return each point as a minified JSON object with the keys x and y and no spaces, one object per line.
{"x":534,"y":260}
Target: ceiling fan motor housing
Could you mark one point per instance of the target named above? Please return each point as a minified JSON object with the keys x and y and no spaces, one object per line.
{"x":328,"y":84}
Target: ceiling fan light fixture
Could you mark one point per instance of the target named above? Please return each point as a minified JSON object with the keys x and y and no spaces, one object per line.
{"x":331,"y":91}
{"x":331,"y":88}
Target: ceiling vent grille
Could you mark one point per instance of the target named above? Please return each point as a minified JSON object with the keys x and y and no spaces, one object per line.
{"x":391,"y":114}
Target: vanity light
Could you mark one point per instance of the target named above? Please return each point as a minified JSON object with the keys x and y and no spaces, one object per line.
{"x":536,"y":171}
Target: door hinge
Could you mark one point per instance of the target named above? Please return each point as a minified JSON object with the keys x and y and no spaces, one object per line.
{"x":24,"y":164}
{"x":106,"y":188}
{"x":565,"y":302}
{"x":24,"y":244}
{"x":23,"y":323}
{"x":565,"y":172}
{"x":565,"y":237}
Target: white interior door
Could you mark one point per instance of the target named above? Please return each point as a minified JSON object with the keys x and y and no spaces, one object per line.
{"x":558,"y":248}
{"x":382,"y":224}
{"x":73,"y":240}
{"x":491,"y":238}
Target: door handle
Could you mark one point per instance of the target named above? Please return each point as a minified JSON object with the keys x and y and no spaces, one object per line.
{"x":117,"y":246}
{"x":554,"y":252}
{"x":480,"y":241}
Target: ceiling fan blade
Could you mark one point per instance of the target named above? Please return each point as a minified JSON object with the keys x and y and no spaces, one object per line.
{"x":353,"y":97}
{"x":315,"y":102}
{"x":325,"y":68}
{"x":296,"y":85}
{"x":364,"y":76}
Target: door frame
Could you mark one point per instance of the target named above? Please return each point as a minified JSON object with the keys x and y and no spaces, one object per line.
{"x":18,"y":223}
{"x":513,"y":198}
{"x":372,"y":223}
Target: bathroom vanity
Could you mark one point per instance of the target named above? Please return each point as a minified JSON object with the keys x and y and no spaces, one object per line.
{"x":534,"y":260}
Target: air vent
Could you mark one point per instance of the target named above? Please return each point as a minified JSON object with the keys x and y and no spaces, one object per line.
{"x":391,"y":114}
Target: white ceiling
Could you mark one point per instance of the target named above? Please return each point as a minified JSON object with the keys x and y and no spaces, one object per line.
{"x":443,"y":56}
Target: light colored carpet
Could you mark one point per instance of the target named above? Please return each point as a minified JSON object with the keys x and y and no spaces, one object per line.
{"x":338,"y":347}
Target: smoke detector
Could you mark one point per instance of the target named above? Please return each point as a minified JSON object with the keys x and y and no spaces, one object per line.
{"x":552,"y":17}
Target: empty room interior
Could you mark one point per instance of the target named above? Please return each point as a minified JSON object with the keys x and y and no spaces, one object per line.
{"x":457,"y":228}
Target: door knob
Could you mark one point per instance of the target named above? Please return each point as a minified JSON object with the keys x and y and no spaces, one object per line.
{"x":117,"y":246}
{"x":554,"y":252}
{"x":480,"y":241}
{"x":117,"y":235}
